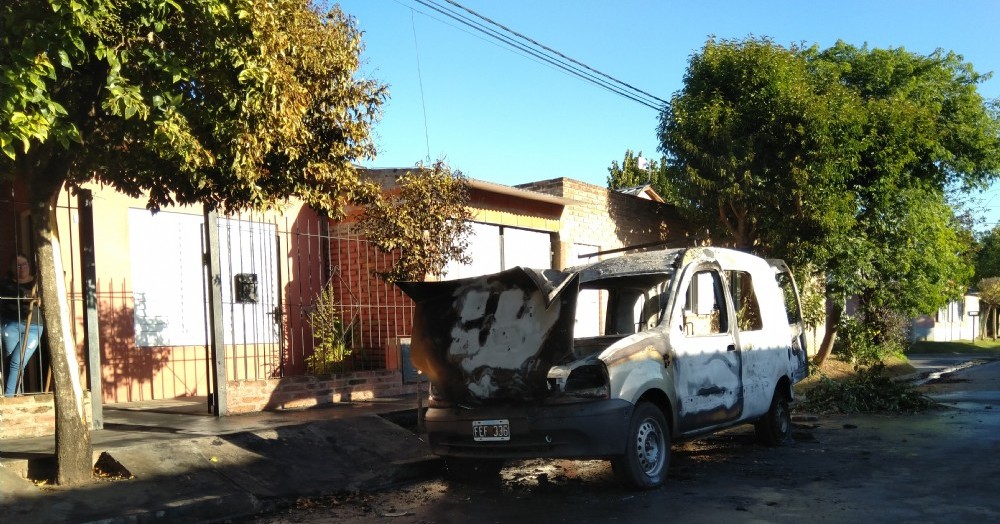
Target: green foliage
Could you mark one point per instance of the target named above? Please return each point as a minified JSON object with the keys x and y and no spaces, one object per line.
{"x":424,"y":223}
{"x":988,"y":255}
{"x":919,"y":256}
{"x":871,"y":390}
{"x":837,"y":158}
{"x":656,"y":174}
{"x":332,"y":342}
{"x":755,"y":146}
{"x":812,"y":297}
{"x":234,"y":103}
{"x":989,"y":291}
{"x":863,"y":345}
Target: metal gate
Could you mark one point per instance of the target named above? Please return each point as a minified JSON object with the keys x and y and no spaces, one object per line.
{"x":155,"y":323}
{"x":278,"y":283}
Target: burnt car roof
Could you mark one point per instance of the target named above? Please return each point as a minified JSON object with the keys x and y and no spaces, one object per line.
{"x":662,"y":261}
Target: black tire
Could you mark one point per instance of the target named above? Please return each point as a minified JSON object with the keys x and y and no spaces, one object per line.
{"x":647,"y":450}
{"x":464,"y":468}
{"x":775,"y":427}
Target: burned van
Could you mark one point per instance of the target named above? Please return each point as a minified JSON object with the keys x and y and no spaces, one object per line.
{"x":609,"y":360}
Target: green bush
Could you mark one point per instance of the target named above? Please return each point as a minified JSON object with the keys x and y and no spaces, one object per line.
{"x":865,"y":346}
{"x":856,"y":343}
{"x":331,"y":340}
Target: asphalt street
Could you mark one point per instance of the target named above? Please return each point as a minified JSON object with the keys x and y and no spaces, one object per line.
{"x":936,"y":466}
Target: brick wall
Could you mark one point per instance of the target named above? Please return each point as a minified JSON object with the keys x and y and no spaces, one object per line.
{"x":306,"y":391}
{"x":609,"y":219}
{"x":31,"y":415}
{"x":378,"y":313}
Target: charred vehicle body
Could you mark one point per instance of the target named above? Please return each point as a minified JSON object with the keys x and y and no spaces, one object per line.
{"x":610,"y":360}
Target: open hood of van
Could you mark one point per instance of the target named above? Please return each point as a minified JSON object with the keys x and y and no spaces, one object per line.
{"x":493,"y":338}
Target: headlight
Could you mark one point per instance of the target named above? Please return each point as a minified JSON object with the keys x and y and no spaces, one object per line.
{"x":589,"y":381}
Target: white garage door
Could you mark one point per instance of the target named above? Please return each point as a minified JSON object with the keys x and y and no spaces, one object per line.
{"x":526,"y":248}
{"x":494,"y":248}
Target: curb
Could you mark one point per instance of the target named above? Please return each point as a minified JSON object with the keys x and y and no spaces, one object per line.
{"x":919,"y":379}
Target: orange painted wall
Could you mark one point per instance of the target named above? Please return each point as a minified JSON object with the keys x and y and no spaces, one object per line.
{"x":131,"y":373}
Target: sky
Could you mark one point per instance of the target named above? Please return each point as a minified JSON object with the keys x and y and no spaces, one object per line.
{"x":499,"y":116}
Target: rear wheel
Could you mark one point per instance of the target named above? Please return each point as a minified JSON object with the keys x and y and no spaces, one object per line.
{"x":647,"y":451}
{"x":775,"y":427}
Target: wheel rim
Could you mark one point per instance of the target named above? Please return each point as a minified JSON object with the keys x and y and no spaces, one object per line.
{"x":650,"y":447}
{"x":783,"y":422}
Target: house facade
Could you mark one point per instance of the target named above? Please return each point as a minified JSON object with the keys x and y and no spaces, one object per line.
{"x":956,"y":320}
{"x":154,"y":295}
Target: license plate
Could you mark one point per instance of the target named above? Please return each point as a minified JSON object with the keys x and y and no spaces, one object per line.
{"x":490,"y":430}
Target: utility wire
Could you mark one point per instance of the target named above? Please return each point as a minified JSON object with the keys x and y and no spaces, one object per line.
{"x":549,"y":49}
{"x":489,"y":40}
{"x":538,"y":54}
{"x":582,"y":71}
{"x":420,"y":79}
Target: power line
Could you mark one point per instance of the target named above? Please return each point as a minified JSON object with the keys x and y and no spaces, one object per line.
{"x":545,"y":53}
{"x":536,"y":53}
{"x":420,"y":79}
{"x":549,"y":49}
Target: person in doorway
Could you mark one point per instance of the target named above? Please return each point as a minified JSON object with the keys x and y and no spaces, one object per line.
{"x":21,"y":320}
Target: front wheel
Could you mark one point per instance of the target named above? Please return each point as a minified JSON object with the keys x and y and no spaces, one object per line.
{"x":647,"y":451}
{"x":776,"y":426}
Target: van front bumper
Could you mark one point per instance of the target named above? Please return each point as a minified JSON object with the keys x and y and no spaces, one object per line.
{"x":580,"y":430}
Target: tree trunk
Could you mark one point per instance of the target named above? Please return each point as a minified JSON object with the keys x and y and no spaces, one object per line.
{"x":984,"y":321}
{"x":826,"y":347}
{"x":74,"y":456}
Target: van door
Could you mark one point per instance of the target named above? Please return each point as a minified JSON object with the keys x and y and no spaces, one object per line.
{"x":708,"y":360}
{"x":793,"y":308}
{"x":762,"y":335}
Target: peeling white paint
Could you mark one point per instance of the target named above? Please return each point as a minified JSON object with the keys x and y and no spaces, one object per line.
{"x":512,"y":338}
{"x":483,"y":387}
{"x":712,"y":379}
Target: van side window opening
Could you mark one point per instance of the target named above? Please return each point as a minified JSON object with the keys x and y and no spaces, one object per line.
{"x":748,"y":316}
{"x":705,"y":306}
{"x":791,"y":298}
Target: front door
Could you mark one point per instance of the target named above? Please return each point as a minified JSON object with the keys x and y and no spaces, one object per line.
{"x":708,"y":360}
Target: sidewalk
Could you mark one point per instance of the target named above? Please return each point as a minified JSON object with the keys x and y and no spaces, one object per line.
{"x":199,"y":468}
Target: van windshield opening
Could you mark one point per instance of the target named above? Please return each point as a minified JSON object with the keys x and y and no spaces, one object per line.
{"x":620,"y":306}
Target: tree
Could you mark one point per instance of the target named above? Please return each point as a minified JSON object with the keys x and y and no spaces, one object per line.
{"x":988,"y":255}
{"x":630,"y":174}
{"x":919,"y":258}
{"x":925,"y":129}
{"x":989,"y":295}
{"x":987,"y":278}
{"x":836,"y":158}
{"x":236,"y":104}
{"x":424,"y":222}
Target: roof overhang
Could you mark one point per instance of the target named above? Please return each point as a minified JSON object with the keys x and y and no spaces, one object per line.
{"x":525,"y":194}
{"x":386,"y":177}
